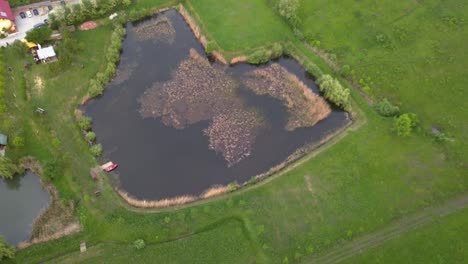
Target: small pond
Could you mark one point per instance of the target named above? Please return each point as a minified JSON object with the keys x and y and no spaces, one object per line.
{"x":21,"y":200}
{"x":162,"y":153}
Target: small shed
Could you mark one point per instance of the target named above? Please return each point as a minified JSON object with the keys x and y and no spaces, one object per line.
{"x":3,"y":144}
{"x":46,"y":54}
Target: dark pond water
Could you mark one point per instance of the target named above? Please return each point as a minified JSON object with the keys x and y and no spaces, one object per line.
{"x":157,"y":161}
{"x":21,"y":201}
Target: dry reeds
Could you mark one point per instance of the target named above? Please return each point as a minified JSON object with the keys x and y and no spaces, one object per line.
{"x":215,"y":191}
{"x":68,"y":230}
{"x":156,"y":204}
{"x":305,"y":108}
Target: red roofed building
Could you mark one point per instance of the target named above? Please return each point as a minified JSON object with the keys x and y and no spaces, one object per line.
{"x":7,"y":20}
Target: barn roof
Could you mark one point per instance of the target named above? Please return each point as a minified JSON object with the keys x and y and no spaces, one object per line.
{"x":5,"y":11}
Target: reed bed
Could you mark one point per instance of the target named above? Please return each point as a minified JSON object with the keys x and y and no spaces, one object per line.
{"x":159,"y":29}
{"x":156,"y":204}
{"x":305,"y":107}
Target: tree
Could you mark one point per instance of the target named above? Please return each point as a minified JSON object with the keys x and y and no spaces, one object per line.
{"x":288,"y":10}
{"x":96,"y":150}
{"x":6,"y":251}
{"x":7,"y":168}
{"x":38,"y":35}
{"x":403,"y":125}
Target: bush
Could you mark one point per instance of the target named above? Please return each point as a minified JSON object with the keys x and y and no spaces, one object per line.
{"x":38,"y":35}
{"x":7,"y":168}
{"x":387,"y":109}
{"x":259,"y":57}
{"x":288,"y":10}
{"x":334,"y":91}
{"x":96,"y":150}
{"x":6,"y":251}
{"x":52,"y":169}
{"x":90,"y":136}
{"x":276,"y":50}
{"x":85,"y":123}
{"x":139,"y":244}
{"x":404,"y":124}
{"x":18,"y":141}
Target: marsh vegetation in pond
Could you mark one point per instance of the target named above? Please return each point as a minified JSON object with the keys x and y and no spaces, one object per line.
{"x":178,"y":124}
{"x":22,"y":199}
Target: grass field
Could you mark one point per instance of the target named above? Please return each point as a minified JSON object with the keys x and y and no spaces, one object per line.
{"x":441,"y":242}
{"x":358,"y":185}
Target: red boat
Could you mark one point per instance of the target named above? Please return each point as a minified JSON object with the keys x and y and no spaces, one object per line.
{"x":109,"y":166}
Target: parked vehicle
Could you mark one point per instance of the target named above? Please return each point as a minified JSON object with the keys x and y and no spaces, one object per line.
{"x":38,"y":25}
{"x":22,"y":15}
{"x":28,"y":13}
{"x":36,"y":13}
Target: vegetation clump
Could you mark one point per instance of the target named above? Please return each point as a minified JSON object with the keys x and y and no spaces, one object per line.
{"x":288,"y":10}
{"x":39,"y":35}
{"x":404,"y":124}
{"x":334,"y":91}
{"x":159,"y":29}
{"x":305,"y":108}
{"x":6,"y":251}
{"x":7,"y":168}
{"x":139,"y":244}
{"x":387,"y":109}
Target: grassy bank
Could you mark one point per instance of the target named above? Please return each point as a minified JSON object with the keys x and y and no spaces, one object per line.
{"x":441,"y":242}
{"x":369,"y":178}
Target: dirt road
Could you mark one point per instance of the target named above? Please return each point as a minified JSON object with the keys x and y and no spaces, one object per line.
{"x":396,"y":228}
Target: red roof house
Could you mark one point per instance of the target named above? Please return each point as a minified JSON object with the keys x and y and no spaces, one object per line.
{"x":7,"y":19}
{"x":5,"y":11}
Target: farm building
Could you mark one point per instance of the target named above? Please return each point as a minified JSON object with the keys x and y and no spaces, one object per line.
{"x":3,"y":144}
{"x":7,"y":20}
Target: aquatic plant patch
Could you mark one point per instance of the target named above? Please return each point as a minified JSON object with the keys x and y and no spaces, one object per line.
{"x":160,"y":29}
{"x":305,"y":108}
{"x":198,"y":92}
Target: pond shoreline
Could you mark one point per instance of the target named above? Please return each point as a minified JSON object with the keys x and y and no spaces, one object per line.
{"x":32,"y":164}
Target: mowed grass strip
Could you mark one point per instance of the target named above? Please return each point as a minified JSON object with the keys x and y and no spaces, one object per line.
{"x":238,"y":25}
{"x":443,"y":241}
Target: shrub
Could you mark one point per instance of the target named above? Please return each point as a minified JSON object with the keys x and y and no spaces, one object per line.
{"x":334,"y":91}
{"x":387,"y":109}
{"x":38,"y":35}
{"x":276,"y":50}
{"x":52,"y":169}
{"x":314,"y":70}
{"x":18,"y":141}
{"x":288,"y":10}
{"x":96,"y":150}
{"x":6,"y":251}
{"x":7,"y":168}
{"x":404,"y":124}
{"x":259,"y":57}
{"x":95,"y":88}
{"x":139,"y":244}
{"x":90,"y":136}
{"x":85,"y":123}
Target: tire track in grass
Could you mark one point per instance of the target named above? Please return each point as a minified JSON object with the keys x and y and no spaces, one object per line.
{"x":397,"y":228}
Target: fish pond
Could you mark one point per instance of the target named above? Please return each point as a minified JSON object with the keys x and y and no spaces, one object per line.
{"x":178,"y":123}
{"x":22,"y":199}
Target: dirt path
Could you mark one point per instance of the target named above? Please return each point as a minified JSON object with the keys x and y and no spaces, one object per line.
{"x":396,"y":228}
